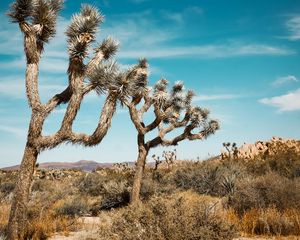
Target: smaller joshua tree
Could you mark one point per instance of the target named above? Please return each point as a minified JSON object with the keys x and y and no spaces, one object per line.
{"x":170,"y":157}
{"x":231,"y":149}
{"x":172,"y":110}
{"x":157,"y":162}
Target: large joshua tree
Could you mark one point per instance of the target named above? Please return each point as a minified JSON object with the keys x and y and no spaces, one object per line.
{"x":37,"y":21}
{"x":172,"y":110}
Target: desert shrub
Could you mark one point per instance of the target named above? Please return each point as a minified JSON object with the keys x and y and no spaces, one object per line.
{"x":41,"y":185}
{"x":94,"y":183}
{"x":284,"y":161}
{"x":48,"y":224}
{"x":4,"y":214}
{"x":209,"y":177}
{"x":90,"y":184}
{"x":7,"y":187}
{"x":270,"y":221}
{"x":182,"y":216}
{"x":113,"y":189}
{"x":266,"y":191}
{"x":75,"y":207}
{"x":114,"y":194}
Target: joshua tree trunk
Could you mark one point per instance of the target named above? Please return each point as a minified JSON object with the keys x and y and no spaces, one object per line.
{"x":37,"y":21}
{"x":17,"y":220}
{"x":139,"y":170}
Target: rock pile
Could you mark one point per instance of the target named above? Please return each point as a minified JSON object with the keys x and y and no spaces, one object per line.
{"x":271,"y":148}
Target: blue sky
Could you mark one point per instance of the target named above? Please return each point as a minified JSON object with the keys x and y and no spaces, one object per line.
{"x":241,"y":58}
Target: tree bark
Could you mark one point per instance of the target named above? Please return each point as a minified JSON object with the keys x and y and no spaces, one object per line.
{"x":18,"y":219}
{"x":139,"y":170}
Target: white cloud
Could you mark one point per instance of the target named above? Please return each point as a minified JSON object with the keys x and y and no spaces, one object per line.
{"x":283,"y":80}
{"x":284,"y":103}
{"x":293,"y":26}
{"x":216,"y":97}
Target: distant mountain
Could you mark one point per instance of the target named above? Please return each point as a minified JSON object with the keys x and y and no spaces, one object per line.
{"x":83,"y":165}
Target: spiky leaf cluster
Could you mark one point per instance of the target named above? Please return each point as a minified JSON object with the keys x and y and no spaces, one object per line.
{"x":198,"y":116}
{"x":133,"y":82}
{"x":21,"y":10}
{"x":104,"y":76}
{"x":82,"y":30}
{"x":188,"y":98}
{"x":85,"y":22}
{"x":212,"y":127}
{"x":37,"y":12}
{"x":108,"y":47}
{"x":172,"y":104}
{"x":45,"y":13}
{"x":161,"y":94}
{"x":178,"y":103}
{"x":178,"y":97}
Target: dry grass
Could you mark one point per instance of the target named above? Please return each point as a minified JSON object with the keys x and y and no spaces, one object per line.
{"x":193,"y":200}
{"x":181,"y":216}
{"x":267,"y":222}
{"x":4,"y":215}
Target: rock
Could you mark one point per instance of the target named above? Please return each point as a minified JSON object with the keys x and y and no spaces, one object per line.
{"x":271,"y":147}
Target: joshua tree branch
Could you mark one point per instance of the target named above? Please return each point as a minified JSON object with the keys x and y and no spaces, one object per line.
{"x":173,"y":142}
{"x":134,"y":115}
{"x":58,"y":99}
{"x":32,"y":52}
{"x":148,"y":103}
{"x":104,"y":123}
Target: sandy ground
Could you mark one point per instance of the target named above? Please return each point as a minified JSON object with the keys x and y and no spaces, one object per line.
{"x":90,"y":226}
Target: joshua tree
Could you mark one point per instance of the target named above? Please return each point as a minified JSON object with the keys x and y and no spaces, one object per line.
{"x":37,"y":22}
{"x":170,"y":157}
{"x":230,"y":148}
{"x":157,"y":161}
{"x":172,"y":111}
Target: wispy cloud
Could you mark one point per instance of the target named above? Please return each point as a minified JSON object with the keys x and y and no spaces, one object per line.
{"x":208,"y":51}
{"x":142,"y":38}
{"x":293,"y":26}
{"x":284,"y":103}
{"x":59,"y":111}
{"x":17,"y":132}
{"x":283,"y":80}
{"x":180,"y":17}
{"x":138,"y":1}
{"x":14,"y":87}
{"x":216,"y":97}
